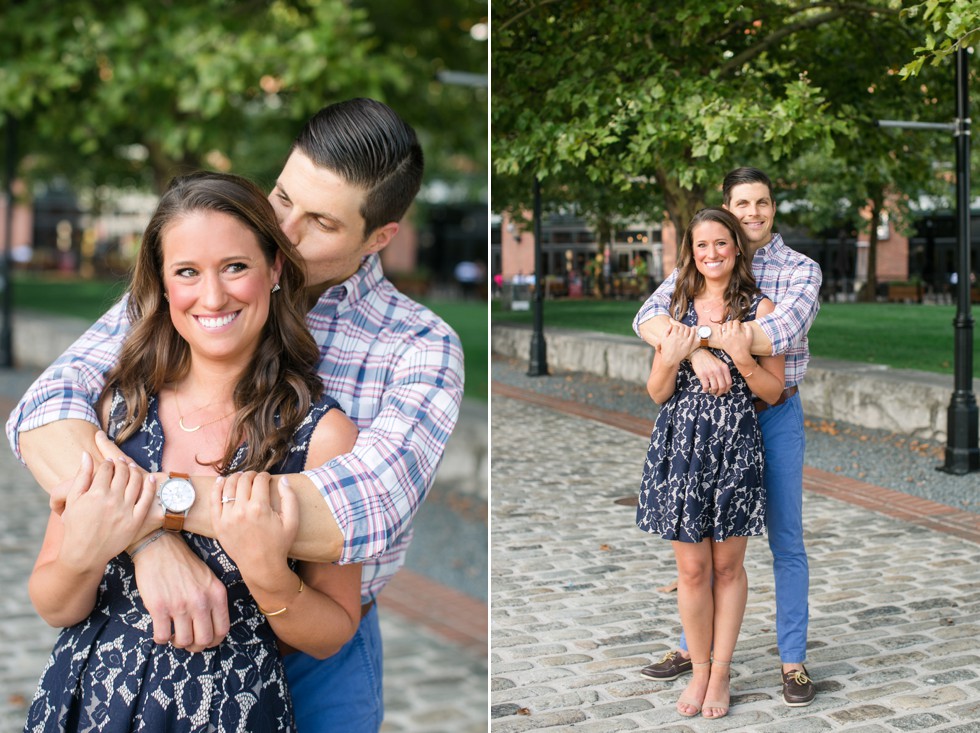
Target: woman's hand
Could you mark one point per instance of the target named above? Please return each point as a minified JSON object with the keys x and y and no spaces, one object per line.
{"x":735,"y":338}
{"x":104,"y":510}
{"x":253,"y":529}
{"x":677,"y":343}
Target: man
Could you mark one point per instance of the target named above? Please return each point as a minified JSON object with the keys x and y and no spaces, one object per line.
{"x":394,"y":366}
{"x":792,"y":281}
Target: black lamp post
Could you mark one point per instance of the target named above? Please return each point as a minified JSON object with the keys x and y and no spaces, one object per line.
{"x":962,"y":449}
{"x":538,"y":366}
{"x":6,"y":284}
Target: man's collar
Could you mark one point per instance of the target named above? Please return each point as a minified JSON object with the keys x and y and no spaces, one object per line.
{"x":776,"y":241}
{"x":368,"y":276}
{"x":357,"y":286}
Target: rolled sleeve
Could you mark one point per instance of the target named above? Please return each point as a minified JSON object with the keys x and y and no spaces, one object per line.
{"x":795,"y":311}
{"x":658,"y":304}
{"x":375,"y":490}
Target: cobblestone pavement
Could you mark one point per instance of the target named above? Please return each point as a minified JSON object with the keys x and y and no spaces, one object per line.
{"x":434,"y":676}
{"x":578,"y":610}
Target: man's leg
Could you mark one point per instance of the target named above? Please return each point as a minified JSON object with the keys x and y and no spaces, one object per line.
{"x":673,"y":664}
{"x":342,"y":693}
{"x":785,"y":441}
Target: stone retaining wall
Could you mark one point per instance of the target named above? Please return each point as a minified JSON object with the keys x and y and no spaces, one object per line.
{"x":869,"y":395}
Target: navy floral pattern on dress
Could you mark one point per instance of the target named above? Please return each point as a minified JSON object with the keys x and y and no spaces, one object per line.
{"x":107,"y":674}
{"x":702,"y":477}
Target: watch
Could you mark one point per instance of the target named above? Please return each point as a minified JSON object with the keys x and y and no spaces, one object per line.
{"x":176,"y":496}
{"x":704,"y":333}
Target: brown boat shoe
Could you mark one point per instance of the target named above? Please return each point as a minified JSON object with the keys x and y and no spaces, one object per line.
{"x":672,"y":666}
{"x":798,"y":689}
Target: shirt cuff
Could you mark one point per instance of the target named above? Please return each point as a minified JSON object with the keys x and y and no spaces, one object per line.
{"x":351,"y":514}
{"x":769,"y":328}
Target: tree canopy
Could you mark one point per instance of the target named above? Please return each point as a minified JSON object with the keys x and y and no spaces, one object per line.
{"x":132,"y":92}
{"x":672,"y":95}
{"x":946,"y":26}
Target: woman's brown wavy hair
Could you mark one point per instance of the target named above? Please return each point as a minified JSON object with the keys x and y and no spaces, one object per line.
{"x":274,"y":392}
{"x":741,"y":287}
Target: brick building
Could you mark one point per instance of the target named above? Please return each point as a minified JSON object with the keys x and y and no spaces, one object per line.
{"x":572,"y":254}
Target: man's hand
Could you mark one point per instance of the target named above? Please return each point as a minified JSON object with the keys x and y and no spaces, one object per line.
{"x":712,"y":372}
{"x":188,"y":604}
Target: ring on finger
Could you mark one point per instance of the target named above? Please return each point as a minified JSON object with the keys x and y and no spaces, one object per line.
{"x":226,"y":499}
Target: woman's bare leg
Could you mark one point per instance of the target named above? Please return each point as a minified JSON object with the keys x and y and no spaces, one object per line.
{"x":695,"y":604}
{"x":730,"y":590}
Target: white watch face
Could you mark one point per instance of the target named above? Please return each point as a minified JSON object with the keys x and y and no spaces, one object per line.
{"x":177,"y":495}
{"x":704,"y":332}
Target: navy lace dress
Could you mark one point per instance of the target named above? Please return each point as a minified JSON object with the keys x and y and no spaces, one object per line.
{"x":107,"y":674}
{"x":703,"y":473}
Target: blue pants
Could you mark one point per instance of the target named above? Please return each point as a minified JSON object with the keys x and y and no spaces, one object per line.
{"x":342,"y":693}
{"x":785,"y":441}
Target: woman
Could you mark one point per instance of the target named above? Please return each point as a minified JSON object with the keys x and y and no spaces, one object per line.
{"x":702,"y":480}
{"x":216,"y":376}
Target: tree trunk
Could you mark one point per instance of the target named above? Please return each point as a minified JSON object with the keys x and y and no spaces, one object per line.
{"x":166,"y":168}
{"x":871,"y":286}
{"x":682,"y":204}
{"x":604,"y":242}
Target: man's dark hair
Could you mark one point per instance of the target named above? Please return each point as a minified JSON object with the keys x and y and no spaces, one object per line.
{"x":743,"y":175}
{"x":369,"y":146}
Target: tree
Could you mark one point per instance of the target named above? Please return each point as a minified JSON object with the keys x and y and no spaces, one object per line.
{"x":134,"y":92}
{"x":426,"y":39}
{"x":673,"y":94}
{"x":946,"y":26}
{"x":876,"y":169}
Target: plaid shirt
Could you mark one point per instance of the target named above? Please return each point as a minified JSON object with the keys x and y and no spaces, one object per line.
{"x":791,"y":281}
{"x":395,"y":368}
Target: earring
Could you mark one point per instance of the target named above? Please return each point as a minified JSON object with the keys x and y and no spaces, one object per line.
{"x":276,"y":288}
{"x":166,"y":297}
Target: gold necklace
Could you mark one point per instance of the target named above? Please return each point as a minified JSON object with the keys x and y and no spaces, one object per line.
{"x":708,"y":311}
{"x":180,"y":417}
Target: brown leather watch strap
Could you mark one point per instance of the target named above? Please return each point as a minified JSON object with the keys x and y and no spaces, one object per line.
{"x":175,"y":522}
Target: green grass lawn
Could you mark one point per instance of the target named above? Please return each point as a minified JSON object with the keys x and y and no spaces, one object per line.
{"x":899,"y":335}
{"x":89,"y":299}
{"x":66,"y":296}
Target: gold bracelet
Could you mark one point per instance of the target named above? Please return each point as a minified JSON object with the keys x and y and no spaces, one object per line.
{"x":270,"y":614}
{"x":746,"y":376}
